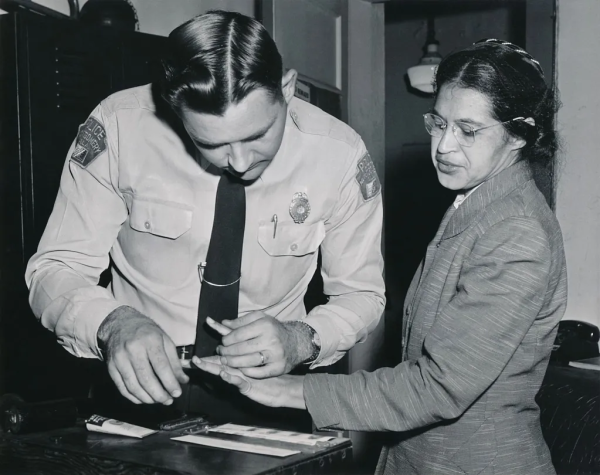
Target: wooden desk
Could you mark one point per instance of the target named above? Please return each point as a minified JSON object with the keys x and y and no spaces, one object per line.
{"x":77,"y":451}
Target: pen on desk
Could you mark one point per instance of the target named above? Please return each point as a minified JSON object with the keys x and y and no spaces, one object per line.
{"x":274,"y":221}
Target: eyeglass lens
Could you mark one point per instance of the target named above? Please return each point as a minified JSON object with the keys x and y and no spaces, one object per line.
{"x":436,"y":126}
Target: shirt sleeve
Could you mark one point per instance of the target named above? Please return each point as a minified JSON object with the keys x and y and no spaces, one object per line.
{"x":352,"y":264}
{"x":74,"y":250}
{"x":499,"y":295}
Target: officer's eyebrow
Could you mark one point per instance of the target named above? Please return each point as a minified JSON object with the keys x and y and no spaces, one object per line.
{"x":258,"y":135}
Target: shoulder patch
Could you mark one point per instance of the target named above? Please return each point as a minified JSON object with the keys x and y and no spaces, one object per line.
{"x":91,"y":142}
{"x":367,"y":178}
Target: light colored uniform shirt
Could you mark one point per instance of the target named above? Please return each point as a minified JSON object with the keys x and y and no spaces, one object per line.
{"x":132,"y":190}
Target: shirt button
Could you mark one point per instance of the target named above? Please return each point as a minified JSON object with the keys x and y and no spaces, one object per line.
{"x":294,"y":115}
{"x":147,"y":225}
{"x":438,"y":244}
{"x":294,"y":247}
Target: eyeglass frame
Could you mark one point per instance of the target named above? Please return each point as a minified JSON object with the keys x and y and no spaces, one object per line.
{"x":473,"y":130}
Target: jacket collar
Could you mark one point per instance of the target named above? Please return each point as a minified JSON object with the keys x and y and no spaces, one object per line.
{"x":492,"y":190}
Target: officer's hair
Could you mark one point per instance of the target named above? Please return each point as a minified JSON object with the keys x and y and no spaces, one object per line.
{"x":515,"y":86}
{"x":217,"y":59}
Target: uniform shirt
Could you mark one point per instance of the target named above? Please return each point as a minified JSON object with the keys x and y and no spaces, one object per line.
{"x":133,"y":188}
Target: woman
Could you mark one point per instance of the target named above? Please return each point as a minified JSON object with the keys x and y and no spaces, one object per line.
{"x":482,"y":311}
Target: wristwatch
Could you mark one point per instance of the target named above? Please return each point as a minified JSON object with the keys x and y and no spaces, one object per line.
{"x":315,"y":341}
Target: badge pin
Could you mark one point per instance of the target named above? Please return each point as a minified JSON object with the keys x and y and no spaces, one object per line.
{"x":299,"y":207}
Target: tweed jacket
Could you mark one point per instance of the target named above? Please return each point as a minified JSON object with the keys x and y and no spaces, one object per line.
{"x":480,"y":318}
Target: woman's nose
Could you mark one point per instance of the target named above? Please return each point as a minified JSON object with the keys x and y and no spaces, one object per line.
{"x":448,"y":142}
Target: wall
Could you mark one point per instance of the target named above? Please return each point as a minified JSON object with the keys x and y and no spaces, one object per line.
{"x":159,"y":17}
{"x":578,"y":192}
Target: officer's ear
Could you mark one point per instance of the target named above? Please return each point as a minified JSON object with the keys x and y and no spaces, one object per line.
{"x":288,"y":85}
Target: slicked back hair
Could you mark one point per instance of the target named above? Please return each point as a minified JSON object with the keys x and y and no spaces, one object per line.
{"x":217,"y":59}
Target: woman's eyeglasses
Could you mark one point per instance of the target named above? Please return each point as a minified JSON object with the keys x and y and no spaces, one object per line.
{"x":464,"y":133}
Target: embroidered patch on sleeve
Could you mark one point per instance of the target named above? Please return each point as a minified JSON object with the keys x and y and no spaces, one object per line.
{"x":367,"y":178}
{"x":91,"y":142}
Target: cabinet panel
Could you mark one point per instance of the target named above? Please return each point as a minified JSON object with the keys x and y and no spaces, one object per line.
{"x":52,"y":74}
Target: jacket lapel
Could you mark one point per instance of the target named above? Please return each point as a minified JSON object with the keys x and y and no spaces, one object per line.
{"x":492,"y":190}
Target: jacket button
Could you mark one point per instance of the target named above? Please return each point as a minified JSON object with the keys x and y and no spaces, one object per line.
{"x":147,"y":225}
{"x":294,"y":247}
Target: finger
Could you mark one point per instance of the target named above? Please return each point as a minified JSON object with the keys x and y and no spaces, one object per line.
{"x":146,"y":377}
{"x":263,"y":372}
{"x":176,"y":365}
{"x":131,"y":383}
{"x":216,"y":359}
{"x":243,"y":321}
{"x":243,"y":348}
{"x":207,"y":366}
{"x":243,"y":384}
{"x":118,"y":380}
{"x":163,"y":368}
{"x":246,"y":361}
{"x":221,"y":329}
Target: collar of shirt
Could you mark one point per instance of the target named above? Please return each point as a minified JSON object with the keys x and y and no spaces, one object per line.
{"x":463,"y":196}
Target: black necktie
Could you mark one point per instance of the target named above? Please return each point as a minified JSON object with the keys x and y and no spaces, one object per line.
{"x":220,"y":290}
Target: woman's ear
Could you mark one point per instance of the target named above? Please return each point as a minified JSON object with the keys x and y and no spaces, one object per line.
{"x":519,"y":142}
{"x":288,"y":84}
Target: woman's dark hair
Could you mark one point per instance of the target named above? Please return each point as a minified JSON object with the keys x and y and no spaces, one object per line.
{"x":514,"y":84}
{"x":217,"y":59}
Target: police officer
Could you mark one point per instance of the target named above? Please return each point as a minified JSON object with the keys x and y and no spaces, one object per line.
{"x":140,"y":184}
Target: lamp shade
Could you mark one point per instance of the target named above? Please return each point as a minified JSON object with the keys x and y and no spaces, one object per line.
{"x":421,"y":76}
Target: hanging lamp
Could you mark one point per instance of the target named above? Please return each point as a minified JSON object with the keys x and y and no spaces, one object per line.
{"x":421,"y":76}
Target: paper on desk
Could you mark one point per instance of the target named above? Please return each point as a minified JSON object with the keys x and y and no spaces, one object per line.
{"x":105,"y":425}
{"x":271,"y":434}
{"x":234,"y":445}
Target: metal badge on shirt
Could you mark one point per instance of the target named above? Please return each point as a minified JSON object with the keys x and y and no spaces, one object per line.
{"x":299,"y":207}
{"x":91,"y":142}
{"x":367,"y":178}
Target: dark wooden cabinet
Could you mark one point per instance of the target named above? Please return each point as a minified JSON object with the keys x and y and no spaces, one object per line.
{"x":53,"y":72}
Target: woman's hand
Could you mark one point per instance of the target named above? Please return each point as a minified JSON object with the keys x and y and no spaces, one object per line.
{"x":282,"y":391}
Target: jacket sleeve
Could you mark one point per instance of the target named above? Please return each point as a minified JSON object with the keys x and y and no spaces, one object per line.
{"x":74,"y":250}
{"x":499,"y":295}
{"x":352,"y":264}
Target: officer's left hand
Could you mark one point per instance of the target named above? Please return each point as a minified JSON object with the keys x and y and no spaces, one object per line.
{"x":258,"y":334}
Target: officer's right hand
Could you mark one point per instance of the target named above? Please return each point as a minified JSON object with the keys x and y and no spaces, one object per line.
{"x":142,"y":360}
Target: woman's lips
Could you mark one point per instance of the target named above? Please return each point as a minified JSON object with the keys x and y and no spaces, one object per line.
{"x":445,"y":167}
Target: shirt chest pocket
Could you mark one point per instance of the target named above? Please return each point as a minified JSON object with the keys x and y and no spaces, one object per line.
{"x":158,"y":242}
{"x":168,"y":220}
{"x":287,"y":262}
{"x":290,"y":239}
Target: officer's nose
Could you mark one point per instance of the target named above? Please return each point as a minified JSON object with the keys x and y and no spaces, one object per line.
{"x":239,"y":158}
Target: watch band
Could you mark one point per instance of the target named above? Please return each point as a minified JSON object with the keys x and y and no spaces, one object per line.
{"x":315,"y":342}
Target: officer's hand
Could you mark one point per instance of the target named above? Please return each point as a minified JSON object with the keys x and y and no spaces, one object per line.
{"x":142,"y":360}
{"x":261,"y":346}
{"x":283,"y":391}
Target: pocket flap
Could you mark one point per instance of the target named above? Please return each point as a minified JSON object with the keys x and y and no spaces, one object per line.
{"x":169,"y":220}
{"x":291,"y":239}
